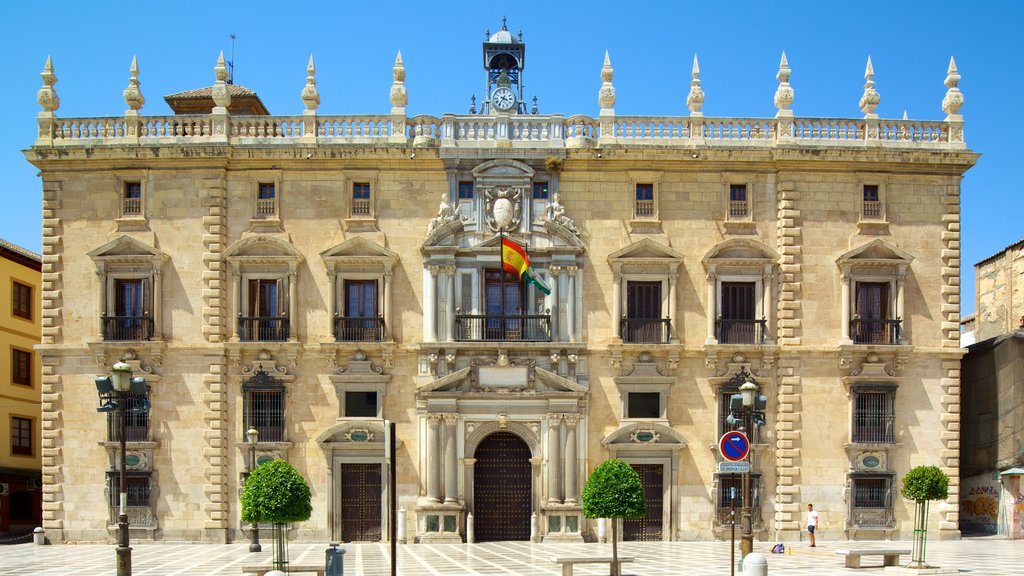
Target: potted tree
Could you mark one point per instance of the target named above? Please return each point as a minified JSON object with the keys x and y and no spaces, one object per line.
{"x":922,"y":485}
{"x":614,"y":490}
{"x":276,"y":493}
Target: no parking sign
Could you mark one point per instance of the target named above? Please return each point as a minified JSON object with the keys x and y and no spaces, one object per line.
{"x":734,"y":446}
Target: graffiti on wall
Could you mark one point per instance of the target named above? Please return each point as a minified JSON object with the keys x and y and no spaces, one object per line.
{"x":979,"y":509}
{"x":1018,"y":509}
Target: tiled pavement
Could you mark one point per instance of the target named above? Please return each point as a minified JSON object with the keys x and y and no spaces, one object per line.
{"x":974,"y":557}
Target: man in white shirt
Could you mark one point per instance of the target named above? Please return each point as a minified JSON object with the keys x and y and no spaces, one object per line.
{"x":812,"y":522}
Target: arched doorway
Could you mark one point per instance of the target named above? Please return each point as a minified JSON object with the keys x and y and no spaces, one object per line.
{"x":502,"y":489}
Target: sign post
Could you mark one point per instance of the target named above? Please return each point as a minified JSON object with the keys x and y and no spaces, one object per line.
{"x":734,"y":447}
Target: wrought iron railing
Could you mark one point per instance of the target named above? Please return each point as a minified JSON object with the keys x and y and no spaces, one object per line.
{"x":875,"y":331}
{"x":119,"y":328}
{"x":513,"y":327}
{"x":874,"y":428}
{"x":136,"y":422}
{"x":263,"y":328}
{"x":733,"y":331}
{"x":646,"y":330}
{"x":358,"y":329}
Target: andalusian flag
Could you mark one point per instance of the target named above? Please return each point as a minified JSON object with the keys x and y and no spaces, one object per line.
{"x":515,"y":259}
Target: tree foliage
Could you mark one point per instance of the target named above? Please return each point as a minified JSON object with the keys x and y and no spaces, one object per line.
{"x":925,"y":483}
{"x":614,"y":490}
{"x":275,"y":492}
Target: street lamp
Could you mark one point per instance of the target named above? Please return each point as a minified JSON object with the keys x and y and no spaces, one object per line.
{"x":254,"y":435}
{"x":748,"y":391}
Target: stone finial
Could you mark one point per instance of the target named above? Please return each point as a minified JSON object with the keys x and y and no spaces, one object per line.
{"x":869,"y":101}
{"x":954,"y":99}
{"x":47,"y":96}
{"x":784,"y":93}
{"x":221,"y":96}
{"x":606,"y":97}
{"x":695,"y":100}
{"x":905,"y":116}
{"x":132,"y":94}
{"x":310,"y":97}
{"x":399,"y":98}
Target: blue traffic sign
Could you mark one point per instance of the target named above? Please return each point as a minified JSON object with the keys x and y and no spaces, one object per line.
{"x":734,"y":446}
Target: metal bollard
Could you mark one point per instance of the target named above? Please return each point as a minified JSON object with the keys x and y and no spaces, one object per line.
{"x":335,"y":561}
{"x":755,"y":564}
{"x":39,"y":536}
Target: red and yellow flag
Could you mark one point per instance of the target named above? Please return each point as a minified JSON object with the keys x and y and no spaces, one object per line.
{"x":513,"y":257}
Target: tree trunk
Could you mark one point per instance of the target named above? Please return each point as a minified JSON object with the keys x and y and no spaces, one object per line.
{"x":920,"y":534}
{"x":615,"y":571}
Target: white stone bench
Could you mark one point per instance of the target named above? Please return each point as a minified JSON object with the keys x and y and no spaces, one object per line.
{"x":890,"y":556}
{"x":262,"y":569}
{"x":568,"y":562}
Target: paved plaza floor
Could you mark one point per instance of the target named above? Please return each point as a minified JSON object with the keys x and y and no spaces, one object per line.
{"x":972,"y":556}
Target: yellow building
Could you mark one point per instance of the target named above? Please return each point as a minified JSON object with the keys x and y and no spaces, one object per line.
{"x":21,"y":444}
{"x":312,"y":276}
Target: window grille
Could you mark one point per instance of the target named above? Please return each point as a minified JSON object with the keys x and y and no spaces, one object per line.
{"x":263,"y":406}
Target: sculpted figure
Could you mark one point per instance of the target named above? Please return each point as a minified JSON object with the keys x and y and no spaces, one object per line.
{"x":555,"y":212}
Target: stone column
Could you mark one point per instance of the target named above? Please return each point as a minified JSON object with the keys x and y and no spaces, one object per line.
{"x":451,"y":472}
{"x":712,"y":307}
{"x":556,"y":308}
{"x":674,"y":324}
{"x":433,"y":466}
{"x":570,"y":308}
{"x":238,"y":307}
{"x":768,"y":298}
{"x":430,"y":305}
{"x":292,"y":297}
{"x":333,"y":308}
{"x":449,"y":303}
{"x":158,"y":333}
{"x":386,"y":304}
{"x":901,"y":276}
{"x":844,"y":313}
{"x":570,"y":475}
{"x":617,"y":306}
{"x":106,"y":288}
{"x":554,"y":438}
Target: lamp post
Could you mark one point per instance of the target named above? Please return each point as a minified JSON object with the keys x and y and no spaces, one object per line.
{"x":749,"y":392}
{"x":121,"y":380}
{"x":253,"y":436}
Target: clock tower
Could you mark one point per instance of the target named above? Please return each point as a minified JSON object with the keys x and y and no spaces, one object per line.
{"x":504,"y":58}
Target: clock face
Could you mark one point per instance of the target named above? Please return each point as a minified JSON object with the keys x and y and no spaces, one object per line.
{"x":503,"y":98}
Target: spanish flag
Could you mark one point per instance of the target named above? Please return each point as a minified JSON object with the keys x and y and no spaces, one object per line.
{"x":515,"y":259}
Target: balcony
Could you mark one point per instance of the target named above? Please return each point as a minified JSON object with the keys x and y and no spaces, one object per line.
{"x":358,"y":329}
{"x":646,"y":330}
{"x":263,"y":328}
{"x":731,"y":331}
{"x":509,"y":327}
{"x":875,"y":331}
{"x":121,"y":328}
{"x":875,"y":429}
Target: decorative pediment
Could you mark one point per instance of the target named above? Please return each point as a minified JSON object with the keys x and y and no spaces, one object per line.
{"x":263,"y":249}
{"x":739,"y":252}
{"x":644,"y":435}
{"x":355,"y":434}
{"x":877,"y":254}
{"x":128,"y":251}
{"x":507,"y":379}
{"x":646,"y":253}
{"x":503,"y":169}
{"x":359,"y":253}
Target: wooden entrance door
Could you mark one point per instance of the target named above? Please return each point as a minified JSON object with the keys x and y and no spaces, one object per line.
{"x":649,"y":527}
{"x":502,"y":492}
{"x":360,"y":502}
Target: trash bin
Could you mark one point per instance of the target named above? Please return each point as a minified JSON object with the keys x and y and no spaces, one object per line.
{"x":335,"y":561}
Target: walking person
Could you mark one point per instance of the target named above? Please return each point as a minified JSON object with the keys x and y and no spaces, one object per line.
{"x":812,"y":522}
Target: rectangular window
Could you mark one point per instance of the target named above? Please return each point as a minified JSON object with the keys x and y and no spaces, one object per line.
{"x":138,"y":489}
{"x":360,"y":322}
{"x":21,"y":367}
{"x":132,"y":199}
{"x":872,"y":492}
{"x":730,"y":495}
{"x":503,"y":304}
{"x":361,"y":404}
{"x":21,"y":436}
{"x":465,"y":190}
{"x":266,"y":199}
{"x":739,"y":207}
{"x":265,"y":319}
{"x":872,"y":322}
{"x":737,"y":323}
{"x":872,"y":207}
{"x":130,"y":319}
{"x":742,"y":419}
{"x":643,"y":322}
{"x":643,"y":405}
{"x":136,"y":420}
{"x":361,"y":199}
{"x":21,"y":300}
{"x":644,"y":207}
{"x":874,"y":416}
{"x":264,"y":411}
{"x":540,"y":190}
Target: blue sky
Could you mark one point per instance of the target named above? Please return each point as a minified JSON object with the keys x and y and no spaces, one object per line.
{"x":651,"y":46}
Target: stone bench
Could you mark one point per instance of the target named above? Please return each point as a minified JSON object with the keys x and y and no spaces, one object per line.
{"x":890,"y":556}
{"x":568,"y":562}
{"x":262,"y":569}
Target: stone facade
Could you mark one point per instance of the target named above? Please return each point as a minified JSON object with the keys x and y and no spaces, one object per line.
{"x":999,"y":281}
{"x":296,"y":266}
